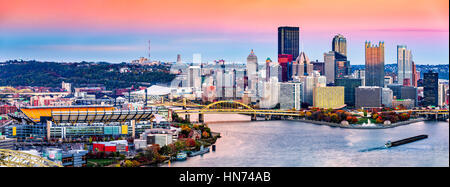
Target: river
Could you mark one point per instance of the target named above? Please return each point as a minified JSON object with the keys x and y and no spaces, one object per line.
{"x":290,"y":143}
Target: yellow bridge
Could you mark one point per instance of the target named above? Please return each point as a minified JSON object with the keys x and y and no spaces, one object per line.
{"x":11,"y":158}
{"x":235,"y":107}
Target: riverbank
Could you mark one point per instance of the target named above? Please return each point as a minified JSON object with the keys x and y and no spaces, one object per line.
{"x":353,"y":126}
{"x":206,"y":143}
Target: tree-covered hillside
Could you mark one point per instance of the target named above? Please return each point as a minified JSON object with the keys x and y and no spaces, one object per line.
{"x":51,"y":74}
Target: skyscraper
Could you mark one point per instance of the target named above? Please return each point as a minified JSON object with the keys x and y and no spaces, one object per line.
{"x":339,"y":44}
{"x":288,"y":41}
{"x":404,"y":65}
{"x":329,"y":60}
{"x":268,"y":63}
{"x":252,"y":71}
{"x":415,"y":75}
{"x":374,"y":64}
{"x":252,"y":63}
{"x":304,"y":66}
{"x":430,"y":89}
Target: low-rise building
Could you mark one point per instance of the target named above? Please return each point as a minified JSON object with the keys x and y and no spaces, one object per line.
{"x":7,"y":143}
{"x":368,"y":96}
{"x":329,"y":97}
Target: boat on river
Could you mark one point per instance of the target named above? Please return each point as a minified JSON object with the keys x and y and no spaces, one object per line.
{"x":390,"y":144}
{"x":181,"y":156}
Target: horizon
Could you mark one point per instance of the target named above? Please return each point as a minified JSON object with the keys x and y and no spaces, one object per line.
{"x":118,"y":31}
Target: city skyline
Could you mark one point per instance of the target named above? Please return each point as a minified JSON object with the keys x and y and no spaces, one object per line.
{"x":120,"y":30}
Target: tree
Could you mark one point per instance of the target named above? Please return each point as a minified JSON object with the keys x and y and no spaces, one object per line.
{"x":205,"y":134}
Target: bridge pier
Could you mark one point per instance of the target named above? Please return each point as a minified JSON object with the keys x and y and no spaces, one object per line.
{"x":253,"y":117}
{"x":201,"y":118}
{"x":187,"y":117}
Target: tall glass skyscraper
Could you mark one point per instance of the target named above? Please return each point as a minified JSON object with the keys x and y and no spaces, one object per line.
{"x":339,"y":44}
{"x":404,"y":64}
{"x":288,"y":41}
{"x":374,"y":64}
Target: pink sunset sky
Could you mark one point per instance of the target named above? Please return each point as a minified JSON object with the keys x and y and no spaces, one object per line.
{"x":118,"y":30}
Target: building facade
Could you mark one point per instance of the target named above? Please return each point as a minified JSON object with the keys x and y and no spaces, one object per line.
{"x":329,"y":97}
{"x":288,"y":41}
{"x":363,"y":93}
{"x":430,"y":89}
{"x":290,"y":95}
{"x":349,"y":85}
{"x":404,"y":65}
{"x":339,"y":44}
{"x":374,"y":64}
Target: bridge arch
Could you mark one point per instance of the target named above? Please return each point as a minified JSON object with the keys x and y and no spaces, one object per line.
{"x":228,"y":105}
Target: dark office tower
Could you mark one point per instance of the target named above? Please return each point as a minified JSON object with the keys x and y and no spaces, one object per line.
{"x":430,"y":89}
{"x":349,"y":89}
{"x":339,"y":44}
{"x":288,"y":41}
{"x":374,"y":64}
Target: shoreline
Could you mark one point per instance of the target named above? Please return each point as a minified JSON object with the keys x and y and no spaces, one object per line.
{"x":360,"y":126}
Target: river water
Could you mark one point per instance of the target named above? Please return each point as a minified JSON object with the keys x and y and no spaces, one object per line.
{"x":290,"y":143}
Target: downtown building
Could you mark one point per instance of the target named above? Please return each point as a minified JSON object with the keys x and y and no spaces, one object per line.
{"x":288,"y":41}
{"x":290,"y":95}
{"x":309,"y":83}
{"x":404,"y":66}
{"x":349,"y":85}
{"x":288,"y":50}
{"x":194,"y":77}
{"x":253,"y":76}
{"x":336,"y":63}
{"x":302,"y":66}
{"x":329,"y":97}
{"x":368,"y":97}
{"x":374,"y":69}
{"x":430,"y":89}
{"x":270,"y":93}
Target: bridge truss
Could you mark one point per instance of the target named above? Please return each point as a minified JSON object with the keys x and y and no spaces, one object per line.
{"x":11,"y":158}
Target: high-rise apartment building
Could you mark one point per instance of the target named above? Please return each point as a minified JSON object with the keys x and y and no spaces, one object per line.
{"x":290,"y":95}
{"x":288,"y":41}
{"x":374,"y":64}
{"x":404,"y":65}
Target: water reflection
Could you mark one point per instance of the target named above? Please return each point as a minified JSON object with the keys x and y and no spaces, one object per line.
{"x":287,"y":143}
